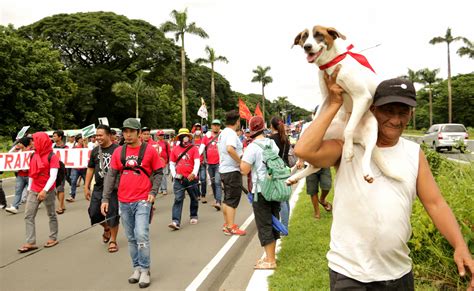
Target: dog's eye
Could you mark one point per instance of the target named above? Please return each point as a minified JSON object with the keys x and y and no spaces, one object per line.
{"x":318,"y":37}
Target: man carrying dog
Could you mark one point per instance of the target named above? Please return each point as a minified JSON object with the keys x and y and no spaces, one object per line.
{"x":141,"y":171}
{"x":371,"y":221}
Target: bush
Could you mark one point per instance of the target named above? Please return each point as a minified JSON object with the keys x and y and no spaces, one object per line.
{"x":431,"y":253}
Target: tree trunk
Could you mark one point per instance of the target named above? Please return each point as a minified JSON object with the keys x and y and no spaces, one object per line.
{"x":213,"y":91}
{"x":136,"y":100}
{"x":183,"y":77}
{"x":263,"y":102}
{"x":450,"y":108}
{"x":431,"y":105}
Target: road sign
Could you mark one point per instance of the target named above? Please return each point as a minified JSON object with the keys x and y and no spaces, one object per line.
{"x":103,"y":120}
{"x":88,"y":131}
{"x":22,"y":132}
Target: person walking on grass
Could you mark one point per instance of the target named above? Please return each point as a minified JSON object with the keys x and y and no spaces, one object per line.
{"x":21,"y":179}
{"x":141,"y":171}
{"x":210,"y":152}
{"x":371,"y":221}
{"x":230,"y":152}
{"x":42,"y":174}
{"x":99,"y":165}
{"x":262,"y":209}
{"x":184,"y":167}
{"x":59,"y":144}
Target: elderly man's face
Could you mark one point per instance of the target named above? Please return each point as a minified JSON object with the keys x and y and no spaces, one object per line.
{"x":392,"y":119}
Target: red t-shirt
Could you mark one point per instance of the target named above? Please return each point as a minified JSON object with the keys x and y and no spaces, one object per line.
{"x":197,"y":144}
{"x":135,"y":186}
{"x":39,"y":182}
{"x":186,"y":164}
{"x":165,"y":149}
{"x":212,"y":151}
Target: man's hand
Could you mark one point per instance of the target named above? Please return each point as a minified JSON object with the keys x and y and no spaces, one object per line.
{"x":191,"y":177}
{"x":300,"y":164}
{"x":104,"y":208}
{"x":41,"y":195}
{"x":151,"y":198}
{"x":335,"y":91}
{"x":463,"y":259}
{"x":87,"y":193}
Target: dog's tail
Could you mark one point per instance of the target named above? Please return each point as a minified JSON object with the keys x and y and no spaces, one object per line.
{"x":381,"y":163}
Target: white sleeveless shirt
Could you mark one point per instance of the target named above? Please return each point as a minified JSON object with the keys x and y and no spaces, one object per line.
{"x":371,"y":222}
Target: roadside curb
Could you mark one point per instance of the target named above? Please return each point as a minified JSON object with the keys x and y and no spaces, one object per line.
{"x":259,"y":279}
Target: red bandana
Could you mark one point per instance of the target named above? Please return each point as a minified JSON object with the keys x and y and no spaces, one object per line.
{"x":358,"y":57}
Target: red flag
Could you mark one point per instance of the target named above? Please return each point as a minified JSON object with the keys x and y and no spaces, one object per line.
{"x":244,"y":110}
{"x":258,"y":112}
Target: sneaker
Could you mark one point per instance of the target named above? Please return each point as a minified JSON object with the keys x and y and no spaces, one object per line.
{"x":135,"y":276}
{"x":235,"y":230}
{"x":12,"y":210}
{"x":203,"y":200}
{"x":174,"y":225}
{"x":193,"y":221}
{"x":2,"y":206}
{"x":70,"y":199}
{"x":144,"y":279}
{"x":217,"y":206}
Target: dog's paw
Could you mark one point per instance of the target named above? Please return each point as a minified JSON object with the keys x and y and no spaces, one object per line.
{"x":348,"y":152}
{"x":369,"y":178}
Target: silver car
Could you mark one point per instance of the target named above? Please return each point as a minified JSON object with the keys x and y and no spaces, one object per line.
{"x":447,"y":136}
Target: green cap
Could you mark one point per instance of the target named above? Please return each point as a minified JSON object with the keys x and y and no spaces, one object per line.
{"x":132,"y":123}
{"x":216,"y":121}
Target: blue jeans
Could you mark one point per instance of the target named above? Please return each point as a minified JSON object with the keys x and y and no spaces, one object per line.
{"x":135,"y":219}
{"x":20,"y":185}
{"x":285,"y":213}
{"x":75,"y":174}
{"x":215,"y":176}
{"x":164,"y":181}
{"x":202,"y":179}
{"x":179,"y":189}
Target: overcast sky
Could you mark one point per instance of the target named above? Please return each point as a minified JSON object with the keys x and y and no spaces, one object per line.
{"x":252,"y":32}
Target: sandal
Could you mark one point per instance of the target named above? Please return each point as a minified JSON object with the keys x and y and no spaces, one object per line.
{"x":113,"y":247}
{"x":264,"y":265}
{"x":327,"y":206}
{"x":105,"y":237}
{"x":51,"y":243}
{"x":27,"y":248}
{"x":60,"y":211}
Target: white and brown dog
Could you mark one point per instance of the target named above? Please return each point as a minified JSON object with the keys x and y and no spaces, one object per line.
{"x":354,"y":123}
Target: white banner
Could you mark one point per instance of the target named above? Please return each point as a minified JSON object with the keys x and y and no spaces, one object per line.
{"x":72,"y":158}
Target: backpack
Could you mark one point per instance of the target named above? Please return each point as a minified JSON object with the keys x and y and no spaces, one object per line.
{"x":138,"y":168}
{"x":61,"y":171}
{"x":273,"y":187}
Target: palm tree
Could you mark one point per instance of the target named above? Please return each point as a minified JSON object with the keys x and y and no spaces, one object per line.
{"x":467,"y":50}
{"x":448,"y":39}
{"x":180,"y":27}
{"x":428,"y":76}
{"x":211,"y":59}
{"x":137,"y":88}
{"x":261,"y":77}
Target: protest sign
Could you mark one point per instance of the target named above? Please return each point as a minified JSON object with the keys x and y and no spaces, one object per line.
{"x":88,"y":131}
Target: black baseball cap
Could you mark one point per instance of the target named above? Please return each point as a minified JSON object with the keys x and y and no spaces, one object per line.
{"x":396,"y":90}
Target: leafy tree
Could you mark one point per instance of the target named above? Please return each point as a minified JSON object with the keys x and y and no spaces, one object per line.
{"x":100,"y":49}
{"x":211,"y":59}
{"x":427,"y":76}
{"x":137,"y":88}
{"x":261,"y":77}
{"x":414,"y":77}
{"x":180,"y":27}
{"x":467,"y":50}
{"x":448,"y":39}
{"x":34,"y":87}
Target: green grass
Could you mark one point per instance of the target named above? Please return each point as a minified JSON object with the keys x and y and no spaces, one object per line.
{"x":302,"y":263}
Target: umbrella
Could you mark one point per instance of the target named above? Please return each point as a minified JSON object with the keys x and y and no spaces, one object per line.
{"x":276,"y":223}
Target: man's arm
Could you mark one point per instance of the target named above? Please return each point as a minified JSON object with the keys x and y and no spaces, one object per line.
{"x":156,"y":178}
{"x":201,"y":149}
{"x":87,"y":183}
{"x":442,"y":216}
{"x":233,"y":154}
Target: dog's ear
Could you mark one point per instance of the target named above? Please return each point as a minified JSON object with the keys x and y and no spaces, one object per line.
{"x":334,"y":33}
{"x":300,"y":38}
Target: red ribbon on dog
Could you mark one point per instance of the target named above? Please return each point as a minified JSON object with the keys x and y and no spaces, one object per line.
{"x":358,"y":57}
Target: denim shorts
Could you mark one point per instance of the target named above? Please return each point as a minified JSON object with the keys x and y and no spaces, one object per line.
{"x":319,"y":179}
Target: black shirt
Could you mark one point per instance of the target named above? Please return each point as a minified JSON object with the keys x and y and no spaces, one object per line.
{"x":284,"y":148}
{"x":94,"y":162}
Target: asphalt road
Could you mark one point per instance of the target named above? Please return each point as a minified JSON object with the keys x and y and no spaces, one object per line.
{"x":81,"y":261}
{"x":454,"y":154}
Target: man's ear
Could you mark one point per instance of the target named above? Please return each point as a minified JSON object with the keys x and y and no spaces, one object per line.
{"x":372,"y":108}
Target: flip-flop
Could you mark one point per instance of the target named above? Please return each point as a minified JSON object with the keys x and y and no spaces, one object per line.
{"x":50,"y":244}
{"x":263,"y":265}
{"x":327,"y":206}
{"x":25,"y":249}
{"x":113,"y":249}
{"x":60,"y":211}
{"x":105,"y":238}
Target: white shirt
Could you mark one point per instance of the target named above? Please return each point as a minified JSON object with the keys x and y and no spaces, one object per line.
{"x":371,"y":222}
{"x":253,"y":155}
{"x":228,"y":137}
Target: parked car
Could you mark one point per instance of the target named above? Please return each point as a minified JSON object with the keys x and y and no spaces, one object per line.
{"x":446,"y":136}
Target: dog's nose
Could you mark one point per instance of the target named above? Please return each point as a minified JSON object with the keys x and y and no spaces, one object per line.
{"x":307,"y":47}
